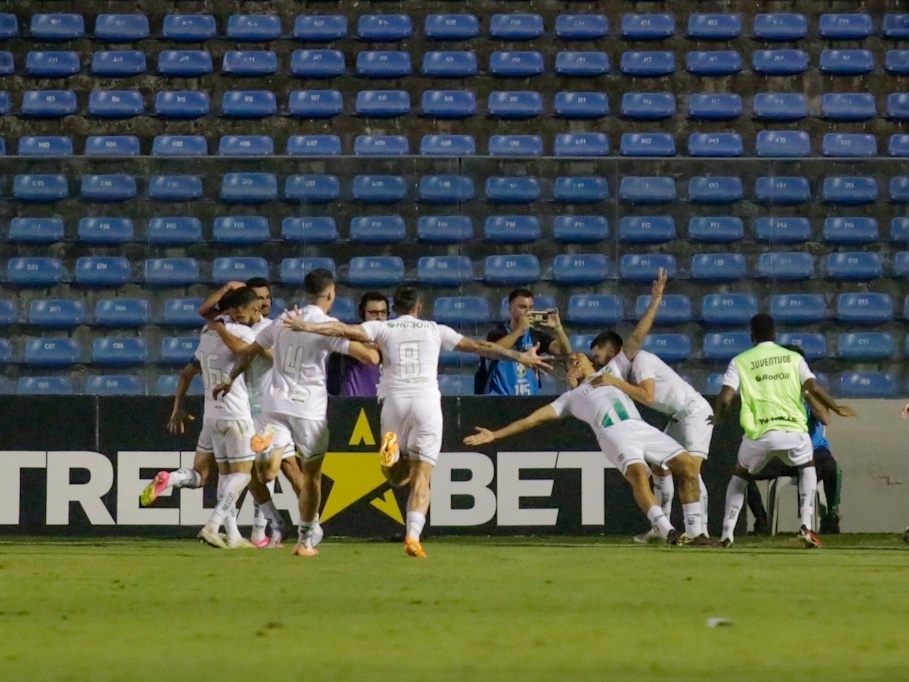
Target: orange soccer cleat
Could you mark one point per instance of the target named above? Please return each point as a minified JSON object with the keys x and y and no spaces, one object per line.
{"x":412,"y":547}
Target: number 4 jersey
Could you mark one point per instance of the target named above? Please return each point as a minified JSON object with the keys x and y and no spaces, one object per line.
{"x":216,"y":362}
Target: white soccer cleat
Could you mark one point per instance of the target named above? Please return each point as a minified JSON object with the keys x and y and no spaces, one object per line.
{"x":809,"y":538}
{"x":212,"y":539}
{"x":648,"y":537}
{"x":239,"y":543}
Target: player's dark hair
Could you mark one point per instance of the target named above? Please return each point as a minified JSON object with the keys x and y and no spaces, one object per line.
{"x":259,"y":282}
{"x":366,"y":298}
{"x":519,"y":293}
{"x":607,"y":339}
{"x":238,"y":298}
{"x":406,"y":300}
{"x":762,"y":328}
{"x":317,"y":282}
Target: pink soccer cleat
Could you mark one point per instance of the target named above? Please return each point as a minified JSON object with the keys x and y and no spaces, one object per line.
{"x":159,"y":484}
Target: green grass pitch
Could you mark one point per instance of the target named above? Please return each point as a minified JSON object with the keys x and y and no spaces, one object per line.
{"x":523,"y":609}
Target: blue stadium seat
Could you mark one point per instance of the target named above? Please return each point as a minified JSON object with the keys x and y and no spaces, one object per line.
{"x":175,"y":187}
{"x":293,"y":271}
{"x":313,"y":189}
{"x":857,"y":230}
{"x":55,"y":385}
{"x":45,"y":145}
{"x":850,"y":190}
{"x":899,"y":229}
{"x":119,"y":351}
{"x":317,"y":63}
{"x":313,"y":145}
{"x":582,"y":64}
{"x":646,"y":229}
{"x":714,"y":106}
{"x":713,"y":63}
{"x":450,"y":104}
{"x":581,"y":26}
{"x":515,"y":64}
{"x":182,"y":104}
{"x":511,"y":229}
{"x":850,"y":106}
{"x":118,"y":63}
{"x":384,"y":27}
{"x":320,"y":28}
{"x":581,"y":342}
{"x":865,"y":346}
{"x":786,"y":265}
{"x":36,"y":230}
{"x":315,"y":104}
{"x":812,"y":344}
{"x":581,"y":144}
{"x":52,"y":64}
{"x":456,"y":384}
{"x":114,"y":384}
{"x":256,"y":28}
{"x":780,"y":27}
{"x":9,"y":26}
{"x":647,"y":144}
{"x":723,"y":346}
{"x":715,"y":144}
{"x":249,"y":104}
{"x":461,"y":310}
{"x":648,"y":64}
{"x":122,"y":312}
{"x":309,"y":230}
{"x":250,"y":62}
{"x":864,"y":308}
{"x":896,"y":26}
{"x":580,"y":229}
{"x":178,"y":350}
{"x":379,"y":189}
{"x":381,"y":145}
{"x":585,"y":189}
{"x":581,"y":105}
{"x":241,"y":230}
{"x":516,"y":189}
{"x":714,"y":26}
{"x":516,"y":26}
{"x":595,"y":309}
{"x":798,"y":308}
{"x":189,"y":28}
{"x":648,"y":106}
{"x":344,"y":309}
{"x":728,"y":308}
{"x":179,"y":145}
{"x":446,"y":189}
{"x":383,"y":64}
{"x":718,"y":267}
{"x":516,"y":270}
{"x":514,"y":104}
{"x":716,"y":189}
{"x":382,"y":103}
{"x":249,"y":188}
{"x":451,"y":26}
{"x":7,"y":63}
{"x":9,"y":313}
{"x":647,"y":190}
{"x":115,"y":103}
{"x":644,"y":267}
{"x":40,"y":188}
{"x":121,"y":28}
{"x":450,"y":229}
{"x":112,"y":187}
{"x":850,"y":144}
{"x":866,"y":385}
{"x":52,"y":352}
{"x":846,"y":62}
{"x":901,"y":264}
{"x":854,"y":265}
{"x":515,"y":145}
{"x":167,"y":385}
{"x":53,"y":27}
{"x":779,"y":62}
{"x":106,"y":230}
{"x":669,"y":347}
{"x":231,"y":268}
{"x":4,"y":103}
{"x":648,"y":26}
{"x":112,"y":145}
{"x":898,"y":145}
{"x":171,"y":272}
{"x":377,"y":229}
{"x":184,"y":63}
{"x":780,"y":106}
{"x":674,"y":308}
{"x":48,"y":103}
{"x":60,"y":313}
{"x":783,"y":143}
{"x":716,"y":229}
{"x":444,"y":271}
{"x":103,"y":271}
{"x":449,"y":64}
{"x":246,"y":145}
{"x":899,"y":189}
{"x":783,"y":229}
{"x":787,"y":190}
{"x":375,"y":271}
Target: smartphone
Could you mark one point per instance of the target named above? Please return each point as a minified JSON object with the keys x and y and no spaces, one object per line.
{"x":539,"y":316}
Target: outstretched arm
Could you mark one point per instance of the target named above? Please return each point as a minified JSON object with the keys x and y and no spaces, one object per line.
{"x":493,"y":351}
{"x":634,"y":342}
{"x":484,"y":436}
{"x":354,"y":332}
{"x":817,"y":408}
{"x":826,"y":399}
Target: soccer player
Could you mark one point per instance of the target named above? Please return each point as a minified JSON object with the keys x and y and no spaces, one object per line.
{"x":295,"y":409}
{"x":411,"y":419}
{"x":628,"y":442}
{"x":772,"y":381}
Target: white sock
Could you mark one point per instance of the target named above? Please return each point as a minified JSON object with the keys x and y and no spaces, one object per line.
{"x":659,"y":521}
{"x":703,"y":506}
{"x":415,"y":523}
{"x":663,"y":490}
{"x":229,"y":488}
{"x":735,"y":498}
{"x":807,"y":490}
{"x":270,"y":512}
{"x":306,"y":528}
{"x":230,"y":524}
{"x":692,"y":514}
{"x":184,"y":478}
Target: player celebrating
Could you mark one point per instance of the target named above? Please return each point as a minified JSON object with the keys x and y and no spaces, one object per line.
{"x":409,"y":390}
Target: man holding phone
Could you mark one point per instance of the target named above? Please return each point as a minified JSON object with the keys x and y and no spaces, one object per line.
{"x":526,"y":328}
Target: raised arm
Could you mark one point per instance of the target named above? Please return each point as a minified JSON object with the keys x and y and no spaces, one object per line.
{"x":634,"y":342}
{"x":207,"y":309}
{"x":534,"y":419}
{"x":560,"y":344}
{"x":179,"y":416}
{"x":354,"y":332}
{"x":494,"y":351}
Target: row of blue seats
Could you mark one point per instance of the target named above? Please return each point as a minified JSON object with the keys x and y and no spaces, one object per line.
{"x":313,"y":230}
{"x":516,"y":269}
{"x":582,"y":309}
{"x":460,"y":64}
{"x":512,"y":26}
{"x":258,"y":187}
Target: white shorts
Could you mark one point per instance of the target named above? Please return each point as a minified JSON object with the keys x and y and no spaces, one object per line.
{"x":634,"y":441}
{"x":228,"y":439}
{"x":417,"y":420}
{"x":692,"y":431}
{"x":792,"y":447}
{"x":308,"y":436}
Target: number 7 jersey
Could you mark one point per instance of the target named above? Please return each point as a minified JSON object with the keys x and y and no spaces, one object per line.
{"x":216,"y":362}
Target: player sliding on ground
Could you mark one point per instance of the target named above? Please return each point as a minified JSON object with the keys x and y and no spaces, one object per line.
{"x":409,"y":391}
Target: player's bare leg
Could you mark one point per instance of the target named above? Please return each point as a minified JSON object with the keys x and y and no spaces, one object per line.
{"x":685,"y":468}
{"x":310,"y":499}
{"x":417,"y":507}
{"x":398,"y":474}
{"x":203,"y":464}
{"x":638,"y":476}
{"x":233,"y":479}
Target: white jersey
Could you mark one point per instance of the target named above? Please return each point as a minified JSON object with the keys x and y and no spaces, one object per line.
{"x":619,"y":366}
{"x":600,"y":406}
{"x":216,"y":362}
{"x":410,"y":350}
{"x":298,"y":374}
{"x":258,"y":374}
{"x":672,"y":395}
